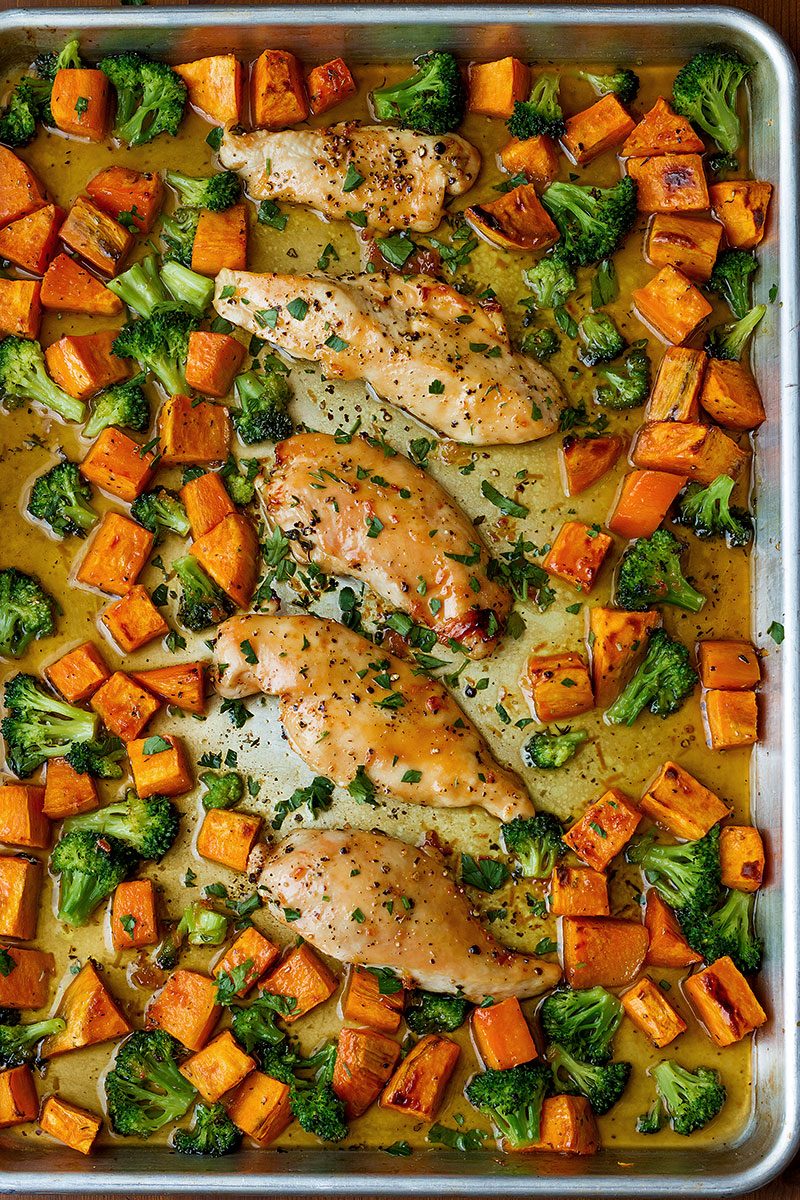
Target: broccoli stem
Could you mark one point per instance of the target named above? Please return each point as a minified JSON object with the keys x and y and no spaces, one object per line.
{"x":140,"y":287}
{"x":187,"y":286}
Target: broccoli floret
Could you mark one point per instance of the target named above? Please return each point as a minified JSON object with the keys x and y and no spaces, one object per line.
{"x":592,"y":220}
{"x":20,"y":116}
{"x":600,"y":339}
{"x":692,"y":1098}
{"x":601,"y":1083}
{"x":178,"y":234}
{"x":47,"y":65}
{"x":100,"y":758}
{"x":23,"y":376}
{"x":314,"y":1103}
{"x":200,"y":924}
{"x":90,"y":866}
{"x":541,"y":113}
{"x":551,"y":280}
{"x":39,"y":726}
{"x":61,"y":498}
{"x":728,"y":931}
{"x":140,"y":287}
{"x":202,"y":603}
{"x":254,"y":1027}
{"x":187,"y":287}
{"x":661,"y":682}
{"x":217,"y":193}
{"x":536,"y":843}
{"x":729,"y":342}
{"x":548,"y":750}
{"x":584,"y":1021}
{"x":686,"y":875}
{"x":431,"y":100}
{"x":148,"y":824}
{"x":650,"y":573}
{"x":222,"y":791}
{"x":540,"y":344}
{"x":160,"y":343}
{"x":145,"y":1090}
{"x":240,"y":485}
{"x":622,"y":83}
{"x":26,"y":612}
{"x":18,"y":1042}
{"x":150,"y":97}
{"x":653,"y":1120}
{"x":708,"y":511}
{"x":512,"y":1100}
{"x":627,"y":387}
{"x":720,"y":164}
{"x":262,"y":416}
{"x":160,"y":511}
{"x":731,"y":279}
{"x":435,"y":1012}
{"x":212,"y":1134}
{"x":705,"y":92}
{"x":123,"y":404}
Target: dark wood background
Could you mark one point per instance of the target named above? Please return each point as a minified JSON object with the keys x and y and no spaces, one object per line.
{"x":783,"y":15}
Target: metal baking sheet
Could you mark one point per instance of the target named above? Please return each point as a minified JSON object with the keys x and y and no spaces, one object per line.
{"x":627,"y":35}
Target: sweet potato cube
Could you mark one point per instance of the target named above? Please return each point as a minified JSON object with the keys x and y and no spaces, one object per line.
{"x":596,"y":129}
{"x":679,"y":802}
{"x":731,"y":397}
{"x":228,"y":837}
{"x":260,"y":1107}
{"x":578,"y":892}
{"x":741,"y":853}
{"x":159,"y":768}
{"x":662,"y":131}
{"x":18,"y":1100}
{"x":207,"y":502}
{"x":134,"y":620}
{"x":502,"y":1035}
{"x":20,"y":190}
{"x":218,"y":1067}
{"x":728,"y":664}
{"x":91,"y":1014}
{"x":495,"y":87}
{"x":604,"y":829}
{"x":536,"y":158}
{"x":567,"y":1126}
{"x":81,"y":103}
{"x":418,"y":1086}
{"x":556,"y":686}
{"x":214,"y":359}
{"x":650,"y":1011}
{"x":365,"y":1060}
{"x":668,"y":947}
{"x":618,"y":641}
{"x":215,"y":87}
{"x":186,"y":1007}
{"x":135,"y":196}
{"x":133,"y":915}
{"x":67,"y":792}
{"x":27,"y":985}
{"x":671,"y":305}
{"x":22,"y":819}
{"x":82,"y":364}
{"x":20,"y":307}
{"x":585,"y":460}
{"x":516,"y":220}
{"x":31,"y":241}
{"x":602,"y":950}
{"x":724,"y":1001}
{"x":731,"y":719}
{"x":365,"y":1004}
{"x":689,"y":243}
{"x":741,"y":205}
{"x":305,"y":977}
{"x":20,"y":887}
{"x":69,"y":287}
{"x":676,"y":392}
{"x":669,"y":183}
{"x":78,"y":673}
{"x":250,"y":947}
{"x":65,"y":1122}
{"x":116,"y":555}
{"x":577,"y":554}
{"x":124,"y":706}
{"x":230,"y":554}
{"x":199,"y":433}
{"x":328,"y":85}
{"x":119,"y":465}
{"x":699,"y":452}
{"x":278,"y":91}
{"x":96,"y":237}
{"x":220,"y":241}
{"x":182,"y":685}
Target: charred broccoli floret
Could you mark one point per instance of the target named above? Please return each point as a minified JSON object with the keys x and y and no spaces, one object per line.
{"x":61,"y":498}
{"x":622,"y":83}
{"x":548,"y":751}
{"x":26,"y":612}
{"x":430,"y":101}
{"x":729,"y":342}
{"x":39,"y":726}
{"x":160,"y":511}
{"x":600,"y":340}
{"x":145,"y":1090}
{"x":731,"y":279}
{"x":254,"y":1027}
{"x":536,"y":843}
{"x":23,"y":376}
{"x":601,"y":1083}
{"x":202,"y":603}
{"x":314,"y":1103}
{"x":540,"y":344}
{"x":212,"y":1134}
{"x":705,"y":91}
{"x":221,"y":790}
{"x":178,"y":234}
{"x":160,"y":344}
{"x":592,"y":221}
{"x":512,"y":1100}
{"x":686,"y":875}
{"x":709,"y":513}
{"x":727,"y":931}
{"x":148,"y":824}
{"x":187,"y":287}
{"x":150,"y":97}
{"x":661,"y":682}
{"x":200,"y":925}
{"x":435,"y":1012}
{"x":692,"y":1098}
{"x":551,"y":280}
{"x":20,"y":117}
{"x":216,"y":194}
{"x":140,"y":287}
{"x":583,"y":1021}
{"x":18,"y":1042}
{"x":100,"y":758}
{"x":650,"y":573}
{"x":263,"y":415}
{"x":47,"y":65}
{"x":123,"y":404}
{"x":90,"y":866}
{"x":541,"y":113}
{"x":629,"y":385}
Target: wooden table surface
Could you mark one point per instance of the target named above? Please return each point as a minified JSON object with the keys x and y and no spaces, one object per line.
{"x":784,"y":16}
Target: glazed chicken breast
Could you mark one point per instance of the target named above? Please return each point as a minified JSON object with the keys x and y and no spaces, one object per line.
{"x":417,"y":921}
{"x":406,"y":177}
{"x":417,"y":342}
{"x":346,"y":703}
{"x":353,"y":511}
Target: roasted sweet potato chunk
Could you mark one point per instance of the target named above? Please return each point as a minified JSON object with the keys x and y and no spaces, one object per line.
{"x":598,"y":128}
{"x":724,"y":1001}
{"x":20,"y":307}
{"x":229,"y":553}
{"x":668,"y":947}
{"x":133,"y":196}
{"x":218,"y":1067}
{"x":159,"y":767}
{"x":81,"y":103}
{"x":27,"y":985}
{"x":214,"y":359}
{"x":731,"y":397}
{"x":536,"y":158}
{"x":669,"y":183}
{"x":567,"y":1126}
{"x":662,"y":131}
{"x":741,"y":853}
{"x":65,"y":1122}
{"x":680,"y":803}
{"x":604,"y":829}
{"x":577,"y":554}
{"x":260,"y":1107}
{"x":215,"y":86}
{"x":20,"y":887}
{"x":699,"y":452}
{"x":365,"y":1004}
{"x":119,"y":465}
{"x":134,"y":620}
{"x":116,"y":555}
{"x":250,"y":947}
{"x":277,"y":91}
{"x":18,"y":1099}
{"x":182,"y":685}
{"x":96,"y":237}
{"x":676,"y":392}
{"x":502,"y":1035}
{"x":20,"y":190}
{"x":22,"y":819}
{"x":31,"y":241}
{"x":329,"y":84}
{"x":418,"y":1086}
{"x":557,"y":686}
{"x":220,"y":241}
{"x":495,"y":87}
{"x":193,"y":433}
{"x":517,"y":220}
{"x":68,"y":793}
{"x":618,"y":641}
{"x":584,"y":460}
{"x":304,"y":976}
{"x":578,"y":892}
{"x":729,"y":664}
{"x":207,"y":502}
{"x":671,"y":305}
{"x":124,"y":706}
{"x":602,"y":950}
{"x":365,"y":1060}
{"x":689,"y":243}
{"x":133,"y":915}
{"x":650,"y":1011}
{"x":186,"y":1007}
{"x":78,"y":673}
{"x":228,"y":837}
{"x":741,"y":205}
{"x":731,"y":719}
{"x":69,"y":287}
{"x":82,"y":364}
{"x":91,"y":1014}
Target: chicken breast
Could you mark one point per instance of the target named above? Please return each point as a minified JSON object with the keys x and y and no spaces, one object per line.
{"x":417,"y":921}
{"x":346,"y":703}
{"x":353,"y":511}
{"x":396,"y":178}
{"x":417,"y":342}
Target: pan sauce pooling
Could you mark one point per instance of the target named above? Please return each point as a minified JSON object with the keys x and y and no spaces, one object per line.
{"x":487,"y":691}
